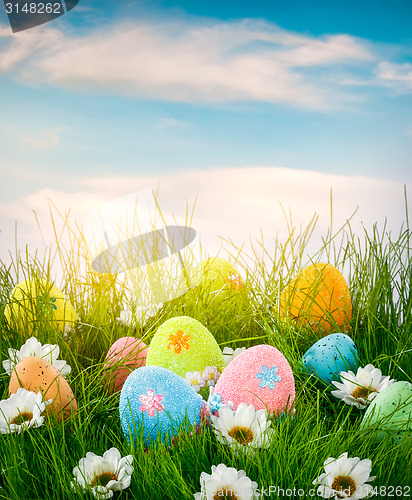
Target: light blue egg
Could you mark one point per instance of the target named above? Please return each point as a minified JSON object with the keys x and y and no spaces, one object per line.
{"x":156,"y":403}
{"x":330,"y":355}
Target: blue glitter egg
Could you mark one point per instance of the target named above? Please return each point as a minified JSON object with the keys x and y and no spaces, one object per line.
{"x":156,"y":403}
{"x":330,"y":355}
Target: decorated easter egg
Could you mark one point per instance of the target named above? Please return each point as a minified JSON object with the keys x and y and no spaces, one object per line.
{"x":155,"y":404}
{"x":36,"y":374}
{"x":36,"y":302}
{"x":330,"y":355}
{"x":318,"y":296}
{"x":220,"y":281}
{"x":390,"y":413}
{"x":183,"y":345}
{"x":124,"y":356}
{"x":261,"y":376}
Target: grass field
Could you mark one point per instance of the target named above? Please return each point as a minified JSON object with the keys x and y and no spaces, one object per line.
{"x":38,"y":464}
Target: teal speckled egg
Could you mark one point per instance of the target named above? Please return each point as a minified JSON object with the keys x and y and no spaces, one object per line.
{"x":183,"y":345}
{"x":156,"y":404}
{"x":330,"y":355}
{"x":390,"y":413}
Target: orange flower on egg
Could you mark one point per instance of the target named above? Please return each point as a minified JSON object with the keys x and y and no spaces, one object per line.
{"x":235,"y":281}
{"x":178,"y":340}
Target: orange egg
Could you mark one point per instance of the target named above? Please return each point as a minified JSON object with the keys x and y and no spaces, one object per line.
{"x":318,"y":296}
{"x":36,"y":374}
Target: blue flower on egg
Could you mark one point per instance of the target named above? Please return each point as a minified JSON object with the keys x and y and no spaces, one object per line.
{"x":215,"y":401}
{"x":268,"y":377}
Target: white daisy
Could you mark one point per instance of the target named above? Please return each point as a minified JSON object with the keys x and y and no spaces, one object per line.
{"x":21,"y":411}
{"x":226,"y":482}
{"x":32,"y":347}
{"x":244,"y":429}
{"x":210,"y":375}
{"x":360,"y":389}
{"x":229,"y":354}
{"x":195,"y":379}
{"x":105,"y":474}
{"x":345,"y":478}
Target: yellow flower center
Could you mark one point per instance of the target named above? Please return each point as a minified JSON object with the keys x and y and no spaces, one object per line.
{"x":344,"y":483}
{"x":103,"y":479}
{"x":362,"y":392}
{"x":225,"y":493}
{"x":242,"y":435}
{"x":178,"y":340}
{"x":22,"y":417}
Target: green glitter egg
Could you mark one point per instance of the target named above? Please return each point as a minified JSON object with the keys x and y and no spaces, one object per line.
{"x":390,"y":413}
{"x":183,"y":345}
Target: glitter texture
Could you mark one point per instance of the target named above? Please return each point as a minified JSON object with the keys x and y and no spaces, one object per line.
{"x":180,"y":405}
{"x":390,"y":413}
{"x":239,"y":382}
{"x":183,"y":345}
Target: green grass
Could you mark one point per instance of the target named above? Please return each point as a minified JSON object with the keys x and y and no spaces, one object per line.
{"x":38,"y":464}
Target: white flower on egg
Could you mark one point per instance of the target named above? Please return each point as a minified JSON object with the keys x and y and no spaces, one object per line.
{"x":21,"y":411}
{"x":32,"y":347}
{"x":360,"y":389}
{"x":105,"y":474}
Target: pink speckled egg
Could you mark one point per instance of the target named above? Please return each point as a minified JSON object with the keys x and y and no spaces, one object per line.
{"x":126,"y":354}
{"x":261,"y":376}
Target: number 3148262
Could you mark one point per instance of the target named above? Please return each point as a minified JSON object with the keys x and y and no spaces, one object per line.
{"x":34,"y":8}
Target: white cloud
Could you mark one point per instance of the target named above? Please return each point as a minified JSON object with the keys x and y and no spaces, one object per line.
{"x":234,"y":204}
{"x":41,"y":142}
{"x":397,"y":76}
{"x":194,"y":61}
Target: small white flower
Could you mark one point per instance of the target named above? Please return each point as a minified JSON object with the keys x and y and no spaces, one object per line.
{"x":244,"y":429}
{"x":345,"y":478}
{"x":21,"y":411}
{"x":195,"y":379}
{"x":32,"y":347}
{"x":210,"y":375}
{"x":360,"y":389}
{"x":103,"y":474}
{"x":226,"y":482}
{"x":229,"y":354}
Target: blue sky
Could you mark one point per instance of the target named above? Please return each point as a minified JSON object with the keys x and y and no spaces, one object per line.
{"x":139,"y":89}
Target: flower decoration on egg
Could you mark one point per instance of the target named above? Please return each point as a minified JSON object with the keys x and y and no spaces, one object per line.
{"x":360,"y":389}
{"x":244,"y":429}
{"x":214,"y":401}
{"x":32,"y":347}
{"x":268,"y":377}
{"x":103,"y":474}
{"x":345,"y":478}
{"x":48,"y":303}
{"x":178,"y":341}
{"x":21,"y":411}
{"x":226,"y":482}
{"x":151,"y":403}
{"x":235,"y":281}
